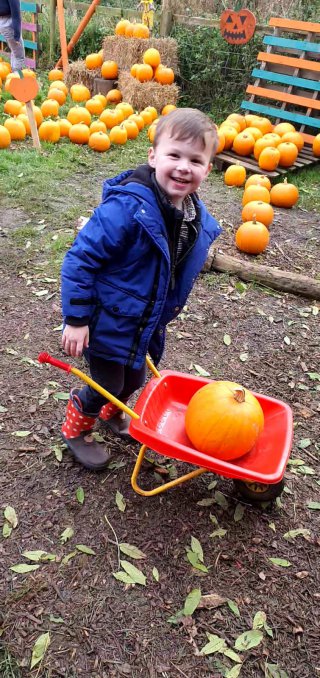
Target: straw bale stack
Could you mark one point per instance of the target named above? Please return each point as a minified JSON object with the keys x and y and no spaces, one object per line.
{"x":142,"y":94}
{"x":128,"y":51}
{"x":77,"y":72}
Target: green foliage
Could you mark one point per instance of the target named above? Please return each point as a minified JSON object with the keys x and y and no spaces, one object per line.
{"x":213,"y":74}
{"x":90,"y":41}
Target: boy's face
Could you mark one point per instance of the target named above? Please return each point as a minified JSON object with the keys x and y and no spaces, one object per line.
{"x":180,"y":165}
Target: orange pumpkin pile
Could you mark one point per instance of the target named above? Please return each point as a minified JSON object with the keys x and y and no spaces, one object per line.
{"x":152,"y":69}
{"x":130,"y":29}
{"x":271,"y":145}
{"x":224,"y":420}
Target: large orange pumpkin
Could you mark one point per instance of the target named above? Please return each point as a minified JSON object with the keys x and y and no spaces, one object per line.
{"x":121,"y":26}
{"x":144,"y":73}
{"x":49,"y":130}
{"x":261,"y":211}
{"x":252,"y":237}
{"x":79,"y":134}
{"x":93,"y":61}
{"x":114,"y":96}
{"x":260,"y":179}
{"x":283,"y":127}
{"x":16,"y":129}
{"x":316,"y":146}
{"x":79,"y":93}
{"x":243,"y":143}
{"x":224,"y":420}
{"x":295,"y":138}
{"x":50,"y":107}
{"x":78,"y":114}
{"x":140,"y":31}
{"x":55,"y":74}
{"x":255,"y":192}
{"x":99,"y":141}
{"x":109,"y":70}
{"x":5,"y":137}
{"x":164,"y":75}
{"x":94,"y":106}
{"x":235,"y":175}
{"x":132,"y":129}
{"x":118,"y":135}
{"x":269,"y":159}
{"x":57,"y":94}
{"x":12,"y":107}
{"x":284,"y":194}
{"x":288,"y":153}
{"x":152,"y":57}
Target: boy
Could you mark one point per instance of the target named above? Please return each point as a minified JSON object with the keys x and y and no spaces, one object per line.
{"x":10,"y":27}
{"x":130,"y":270}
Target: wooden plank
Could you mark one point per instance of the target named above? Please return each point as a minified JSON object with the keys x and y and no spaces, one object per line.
{"x":283,"y":78}
{"x":30,"y":7}
{"x":283,"y":96}
{"x":33,"y":28}
{"x":29,"y":44}
{"x":279,"y":113}
{"x":229,"y":157}
{"x":301,"y":45}
{"x":278,"y":59}
{"x":291,"y":24}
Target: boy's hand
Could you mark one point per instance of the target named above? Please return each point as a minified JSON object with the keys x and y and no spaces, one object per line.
{"x":75,"y":339}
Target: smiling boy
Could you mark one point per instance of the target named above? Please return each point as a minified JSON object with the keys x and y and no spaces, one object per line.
{"x":130,"y":271}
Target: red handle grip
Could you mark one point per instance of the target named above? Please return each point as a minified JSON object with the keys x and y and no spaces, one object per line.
{"x":47,"y":358}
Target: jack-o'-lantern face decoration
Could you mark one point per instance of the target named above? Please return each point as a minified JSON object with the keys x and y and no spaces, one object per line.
{"x":237,"y":27}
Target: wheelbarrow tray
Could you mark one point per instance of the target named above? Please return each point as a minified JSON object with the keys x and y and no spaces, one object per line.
{"x":162,"y":406}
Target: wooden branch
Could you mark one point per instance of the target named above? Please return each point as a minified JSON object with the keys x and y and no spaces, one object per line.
{"x":284,"y":281}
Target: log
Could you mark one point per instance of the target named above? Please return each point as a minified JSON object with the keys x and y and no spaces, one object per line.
{"x":284,"y":281}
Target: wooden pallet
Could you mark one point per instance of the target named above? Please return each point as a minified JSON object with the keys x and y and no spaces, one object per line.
{"x":31,"y":46}
{"x":288,"y":74}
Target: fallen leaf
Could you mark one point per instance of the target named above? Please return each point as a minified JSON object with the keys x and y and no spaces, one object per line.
{"x":192,"y":602}
{"x":248,"y":639}
{"x":120,"y":501}
{"x":131,"y":551}
{"x":211,"y":600}
{"x":39,"y":649}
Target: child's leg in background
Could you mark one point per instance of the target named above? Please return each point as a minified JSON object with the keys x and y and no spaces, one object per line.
{"x":16,"y":46}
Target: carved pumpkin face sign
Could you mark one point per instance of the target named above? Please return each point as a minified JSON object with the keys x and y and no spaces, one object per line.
{"x":237,"y":27}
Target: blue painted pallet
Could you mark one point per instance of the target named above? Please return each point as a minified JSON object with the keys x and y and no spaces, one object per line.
{"x":271,"y":76}
{"x":280,"y":113}
{"x":301,"y":45}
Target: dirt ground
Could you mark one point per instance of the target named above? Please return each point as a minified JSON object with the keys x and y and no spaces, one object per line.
{"x":99,"y":626}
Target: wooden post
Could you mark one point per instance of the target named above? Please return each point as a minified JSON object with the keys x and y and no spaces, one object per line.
{"x":63,"y":37}
{"x":52,"y":44}
{"x":82,"y":25}
{"x":166,"y":21}
{"x":33,"y":125}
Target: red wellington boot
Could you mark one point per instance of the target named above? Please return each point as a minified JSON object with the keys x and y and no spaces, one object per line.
{"x":113,"y":418}
{"x":77,"y":434}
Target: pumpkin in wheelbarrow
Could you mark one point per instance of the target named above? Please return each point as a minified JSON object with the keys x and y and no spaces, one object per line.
{"x":224,"y":419}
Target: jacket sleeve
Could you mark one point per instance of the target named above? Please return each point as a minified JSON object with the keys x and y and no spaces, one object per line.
{"x":101,"y":239}
{"x":16,"y":18}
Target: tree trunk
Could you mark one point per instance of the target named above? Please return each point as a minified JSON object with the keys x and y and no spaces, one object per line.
{"x":285,"y":281}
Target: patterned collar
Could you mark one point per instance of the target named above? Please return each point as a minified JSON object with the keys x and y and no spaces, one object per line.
{"x":188,"y":208}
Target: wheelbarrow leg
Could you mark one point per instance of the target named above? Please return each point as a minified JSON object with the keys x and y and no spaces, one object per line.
{"x":165,"y":486}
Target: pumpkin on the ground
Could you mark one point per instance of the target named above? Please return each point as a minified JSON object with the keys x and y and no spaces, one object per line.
{"x":284,"y":194}
{"x":316,"y":146}
{"x":255,"y":192}
{"x":99,"y":141}
{"x":5,"y":138}
{"x":260,"y":179}
{"x":252,"y":237}
{"x":261,"y":211}
{"x":224,"y":420}
{"x":235,"y":175}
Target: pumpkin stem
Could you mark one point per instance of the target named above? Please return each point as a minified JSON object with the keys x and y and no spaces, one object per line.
{"x":239,"y":394}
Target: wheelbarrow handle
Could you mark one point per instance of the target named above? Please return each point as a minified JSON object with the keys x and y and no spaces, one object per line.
{"x":46,"y":358}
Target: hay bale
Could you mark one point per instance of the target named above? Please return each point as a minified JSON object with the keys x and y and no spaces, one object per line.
{"x":128,"y":51}
{"x":77,"y":72}
{"x":142,"y":94}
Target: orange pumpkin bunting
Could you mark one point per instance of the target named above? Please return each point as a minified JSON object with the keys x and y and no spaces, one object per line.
{"x":24,"y":89}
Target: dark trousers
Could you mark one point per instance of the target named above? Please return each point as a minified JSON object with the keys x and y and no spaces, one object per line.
{"x":120,"y":380}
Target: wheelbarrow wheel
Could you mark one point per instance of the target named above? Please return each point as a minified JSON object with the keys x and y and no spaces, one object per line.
{"x":258,"y":492}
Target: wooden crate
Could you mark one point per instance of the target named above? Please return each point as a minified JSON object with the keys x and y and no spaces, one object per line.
{"x":287,"y":74}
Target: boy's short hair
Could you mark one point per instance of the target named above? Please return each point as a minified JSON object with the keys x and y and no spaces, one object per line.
{"x":188,"y":123}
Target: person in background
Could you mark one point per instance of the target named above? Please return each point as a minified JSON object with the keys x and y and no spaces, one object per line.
{"x":10,"y":28}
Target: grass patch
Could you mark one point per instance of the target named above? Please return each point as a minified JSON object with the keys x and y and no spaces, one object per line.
{"x":308,"y":181}
{"x":8,"y":666}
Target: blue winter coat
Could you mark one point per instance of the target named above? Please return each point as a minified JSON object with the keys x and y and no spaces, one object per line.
{"x":117,"y":272}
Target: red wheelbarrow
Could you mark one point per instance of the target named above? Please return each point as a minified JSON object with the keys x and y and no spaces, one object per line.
{"x":158,"y":422}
